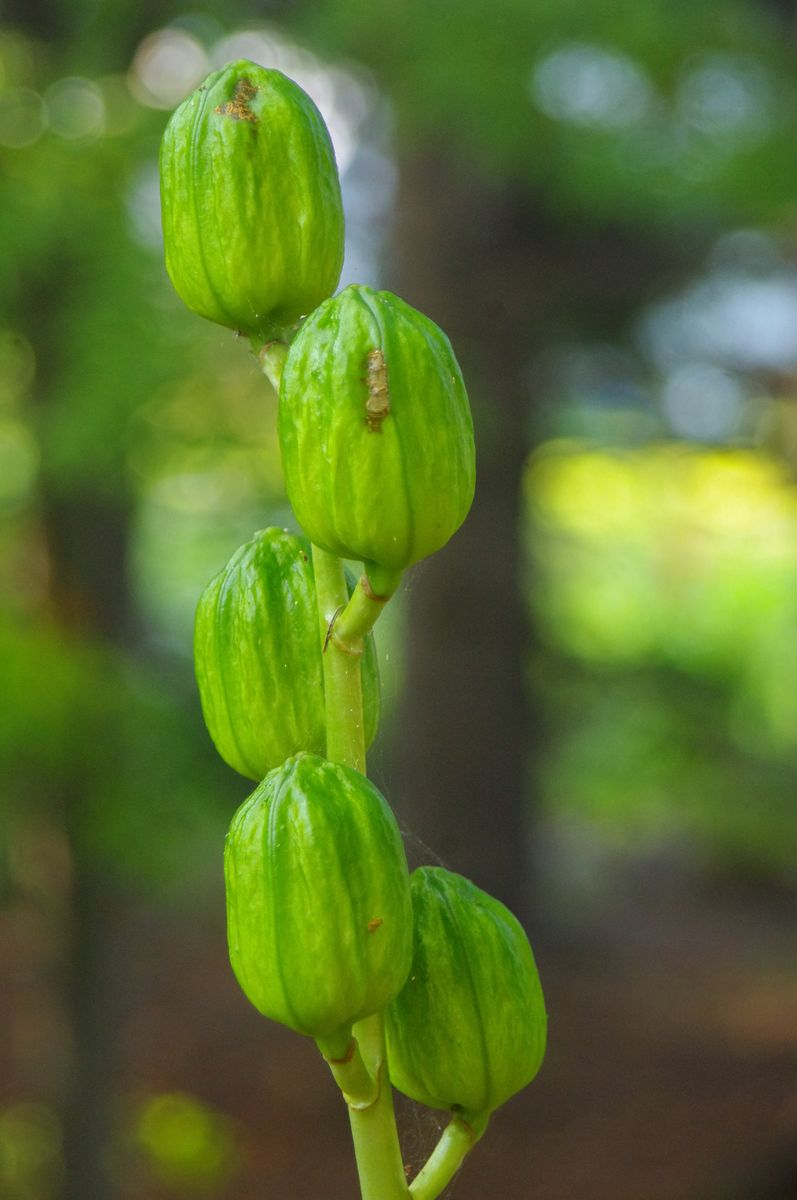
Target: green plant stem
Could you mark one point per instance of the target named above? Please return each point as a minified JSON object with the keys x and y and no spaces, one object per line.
{"x":358,"y":618}
{"x":359,"y":1087}
{"x":373,"y":1127}
{"x":457,"y":1139}
{"x":344,"y":624}
{"x":271,"y":357}
{"x":342,"y":677}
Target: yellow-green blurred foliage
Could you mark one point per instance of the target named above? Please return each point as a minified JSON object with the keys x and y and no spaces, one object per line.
{"x":668,"y":574}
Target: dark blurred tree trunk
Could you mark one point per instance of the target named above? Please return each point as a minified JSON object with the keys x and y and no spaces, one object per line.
{"x":87,"y":540}
{"x":501,"y":278}
{"x":90,"y":1002}
{"x":460,"y":751}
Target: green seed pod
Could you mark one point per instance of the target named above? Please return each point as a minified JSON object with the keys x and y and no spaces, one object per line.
{"x":319,"y":917}
{"x":376,"y":431}
{"x":467,"y":1031}
{"x":252,"y":212}
{"x":257,"y":655}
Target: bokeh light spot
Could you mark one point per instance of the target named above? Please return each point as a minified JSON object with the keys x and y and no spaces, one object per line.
{"x":23,"y":118}
{"x":166,"y":67}
{"x":19,"y":463}
{"x":30,"y":1152}
{"x":588,"y":85}
{"x":185,"y":1141}
{"x":76,"y":109}
{"x":724,"y":96}
{"x":144,"y":207}
{"x":703,"y":402}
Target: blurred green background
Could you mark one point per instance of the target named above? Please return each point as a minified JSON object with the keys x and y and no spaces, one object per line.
{"x":590,"y":695}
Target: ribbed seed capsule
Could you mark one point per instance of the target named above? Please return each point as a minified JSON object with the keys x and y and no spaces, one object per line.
{"x":376,"y":431}
{"x":257,"y":656}
{"x":318,"y":901}
{"x":468,"y":1028}
{"x":250,"y":196}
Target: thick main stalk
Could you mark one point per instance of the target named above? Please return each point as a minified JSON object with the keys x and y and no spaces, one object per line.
{"x":343,"y":691}
{"x":373,"y":1128}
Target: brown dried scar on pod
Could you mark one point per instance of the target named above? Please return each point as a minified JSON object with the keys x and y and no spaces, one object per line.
{"x":374,"y":924}
{"x":377,"y":406}
{"x":238,"y":108}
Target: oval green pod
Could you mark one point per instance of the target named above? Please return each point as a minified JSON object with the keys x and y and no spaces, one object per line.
{"x":319,"y":917}
{"x":257,"y":657}
{"x":250,"y":198}
{"x":375,"y":430}
{"x":468,"y":1029}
